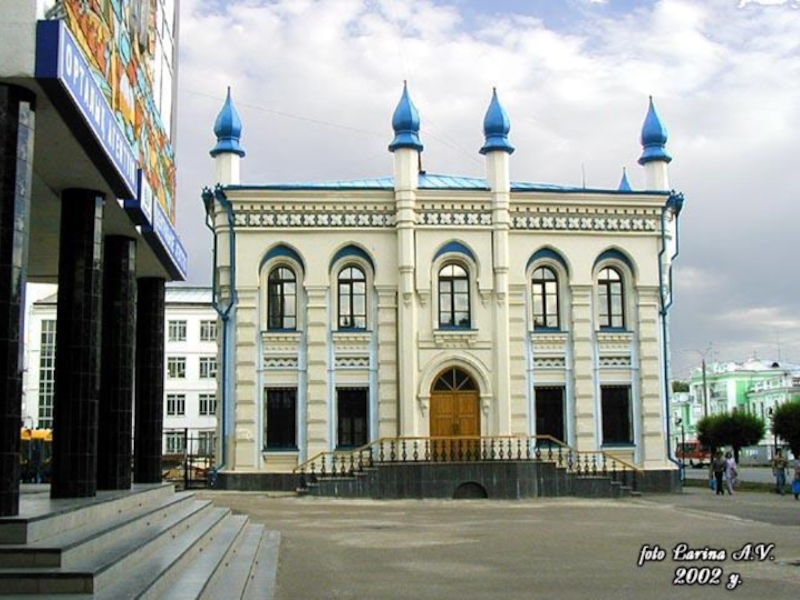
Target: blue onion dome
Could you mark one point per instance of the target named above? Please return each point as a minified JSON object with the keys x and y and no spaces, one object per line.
{"x":624,"y":184}
{"x":496,"y":126}
{"x":405,"y":123}
{"x":228,"y":129}
{"x":654,"y":138}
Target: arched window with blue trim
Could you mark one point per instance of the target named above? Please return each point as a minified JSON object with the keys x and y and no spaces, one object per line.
{"x":282,"y":299}
{"x":611,"y":299}
{"x":454,"y":300}
{"x":352,"y":295}
{"x":545,"y":300}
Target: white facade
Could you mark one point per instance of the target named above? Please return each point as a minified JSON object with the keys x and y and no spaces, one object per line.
{"x":452,"y":280}
{"x":190,"y":391}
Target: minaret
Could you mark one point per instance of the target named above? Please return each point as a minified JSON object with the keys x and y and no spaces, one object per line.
{"x":655,"y":157}
{"x":228,"y":152}
{"x":624,"y":184}
{"x":497,"y":151}
{"x":406,"y":148}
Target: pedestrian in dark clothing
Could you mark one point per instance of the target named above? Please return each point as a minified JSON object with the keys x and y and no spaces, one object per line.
{"x":717,"y":471}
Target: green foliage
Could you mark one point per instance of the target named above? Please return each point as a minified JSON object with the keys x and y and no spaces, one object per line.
{"x":680,"y":386}
{"x":737,"y":430}
{"x":786,"y":424}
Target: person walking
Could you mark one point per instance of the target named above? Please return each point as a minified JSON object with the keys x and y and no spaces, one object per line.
{"x":796,"y":482}
{"x":731,"y":472}
{"x":779,"y":465}
{"x":717,"y":471}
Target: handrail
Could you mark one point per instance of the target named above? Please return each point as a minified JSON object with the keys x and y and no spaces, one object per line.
{"x":354,"y":456}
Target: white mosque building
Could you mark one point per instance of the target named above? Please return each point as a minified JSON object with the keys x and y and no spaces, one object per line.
{"x":421,"y":306}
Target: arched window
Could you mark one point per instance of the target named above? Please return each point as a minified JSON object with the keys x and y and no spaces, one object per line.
{"x":281,"y":299}
{"x":352,"y":298}
{"x":544,"y":292}
{"x":454,"y":296}
{"x":611,"y":298}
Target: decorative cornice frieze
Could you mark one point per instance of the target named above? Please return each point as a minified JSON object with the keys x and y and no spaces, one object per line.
{"x":616,"y":219}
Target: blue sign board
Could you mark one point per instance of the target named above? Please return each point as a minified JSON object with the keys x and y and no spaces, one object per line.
{"x":59,"y":57}
{"x":170,"y":241}
{"x":64,"y":72}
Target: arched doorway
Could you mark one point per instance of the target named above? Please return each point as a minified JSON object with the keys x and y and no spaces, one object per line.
{"x":455,"y":405}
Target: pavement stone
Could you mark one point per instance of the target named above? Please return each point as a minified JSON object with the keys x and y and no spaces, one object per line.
{"x":560,"y":548}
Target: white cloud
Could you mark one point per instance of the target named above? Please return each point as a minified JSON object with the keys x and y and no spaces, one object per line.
{"x":726,"y":83}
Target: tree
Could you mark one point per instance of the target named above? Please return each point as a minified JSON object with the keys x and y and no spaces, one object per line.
{"x":786,"y":424}
{"x":737,"y":430}
{"x":680,"y":386}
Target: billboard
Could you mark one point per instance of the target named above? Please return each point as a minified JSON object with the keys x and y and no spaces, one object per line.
{"x":131,"y":49}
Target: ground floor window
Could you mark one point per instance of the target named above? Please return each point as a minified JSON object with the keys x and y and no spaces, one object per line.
{"x":176,"y":442}
{"x":617,"y":420}
{"x":550,"y":412}
{"x":352,"y":411}
{"x":205,"y":443}
{"x":280,"y":418}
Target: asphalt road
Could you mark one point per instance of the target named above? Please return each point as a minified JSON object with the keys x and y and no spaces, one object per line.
{"x":564,"y":548}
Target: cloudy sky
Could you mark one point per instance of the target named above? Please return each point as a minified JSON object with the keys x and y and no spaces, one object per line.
{"x":316,"y":83}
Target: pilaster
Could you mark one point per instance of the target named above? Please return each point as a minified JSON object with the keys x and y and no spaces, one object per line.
{"x":583,"y":368}
{"x":317,"y":390}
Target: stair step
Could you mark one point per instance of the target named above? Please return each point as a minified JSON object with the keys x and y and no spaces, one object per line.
{"x":157,"y":568}
{"x":195,"y":577}
{"x":99,"y":570}
{"x":262,"y":582}
{"x":70,"y":547}
{"x":231,"y":576}
{"x":42,"y":517}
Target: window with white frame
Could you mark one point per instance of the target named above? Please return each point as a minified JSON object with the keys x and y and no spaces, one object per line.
{"x":352,"y":298}
{"x":176,"y":367}
{"x":454,"y":303}
{"x":617,"y":416}
{"x":176,"y":405}
{"x":208,"y":405}
{"x":544,"y":296}
{"x":282,"y":299}
{"x":47,"y":373}
{"x":176,"y":442}
{"x":208,"y":331}
{"x":205,"y":442}
{"x":176,"y":331}
{"x":611,"y":299}
{"x":208,"y":367}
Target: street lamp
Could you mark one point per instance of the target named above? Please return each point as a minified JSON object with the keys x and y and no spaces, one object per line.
{"x":679,"y":423}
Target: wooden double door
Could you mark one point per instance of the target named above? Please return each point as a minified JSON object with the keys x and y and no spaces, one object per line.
{"x":455,"y":417}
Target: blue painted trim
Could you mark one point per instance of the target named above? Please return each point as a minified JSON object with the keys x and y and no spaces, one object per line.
{"x":614,"y":254}
{"x":548,"y":253}
{"x":352,"y":251}
{"x":496,"y":126}
{"x":228,"y":129}
{"x":624,"y":184}
{"x":282,"y":251}
{"x":454,"y":247}
{"x":405,"y":123}
{"x":654,"y":138}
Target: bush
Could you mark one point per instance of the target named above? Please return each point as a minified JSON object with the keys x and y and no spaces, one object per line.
{"x":786,"y":424}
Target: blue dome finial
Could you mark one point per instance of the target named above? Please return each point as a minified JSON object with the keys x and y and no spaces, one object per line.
{"x":405,"y":123}
{"x":624,"y":184}
{"x":496,"y":126}
{"x":228,"y":129}
{"x":654,"y":138}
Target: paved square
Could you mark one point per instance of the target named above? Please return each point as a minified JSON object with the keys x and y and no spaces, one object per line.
{"x":555,"y":548}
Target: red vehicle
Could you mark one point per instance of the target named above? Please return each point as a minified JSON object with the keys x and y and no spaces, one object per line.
{"x":693,"y":453}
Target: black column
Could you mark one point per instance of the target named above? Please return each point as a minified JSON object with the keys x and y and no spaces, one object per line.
{"x":77,"y":377}
{"x":16,"y":169}
{"x":116,"y":371}
{"x":149,"y":381}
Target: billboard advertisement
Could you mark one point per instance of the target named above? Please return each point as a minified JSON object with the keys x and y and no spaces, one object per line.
{"x":131,"y":50}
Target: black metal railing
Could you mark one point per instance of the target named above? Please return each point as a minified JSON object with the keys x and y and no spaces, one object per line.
{"x":188,"y":458}
{"x":410,"y":450}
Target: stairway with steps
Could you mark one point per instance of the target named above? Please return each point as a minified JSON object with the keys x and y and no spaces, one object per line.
{"x":149,"y":542}
{"x":504,"y":480}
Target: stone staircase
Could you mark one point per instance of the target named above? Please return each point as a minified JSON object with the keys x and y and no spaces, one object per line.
{"x":149,"y":542}
{"x":507,"y":480}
